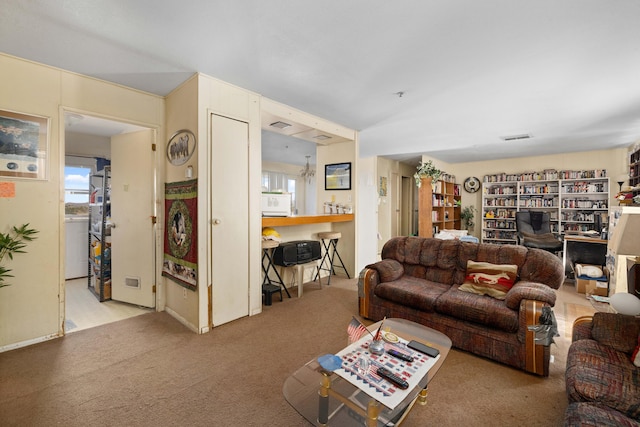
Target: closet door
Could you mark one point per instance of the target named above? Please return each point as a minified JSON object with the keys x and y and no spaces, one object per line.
{"x":229,"y":219}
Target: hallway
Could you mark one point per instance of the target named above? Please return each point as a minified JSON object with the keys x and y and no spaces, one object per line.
{"x":83,"y":310}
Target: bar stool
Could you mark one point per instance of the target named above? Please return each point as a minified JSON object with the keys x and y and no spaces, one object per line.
{"x":270,"y":286}
{"x":329,"y":240}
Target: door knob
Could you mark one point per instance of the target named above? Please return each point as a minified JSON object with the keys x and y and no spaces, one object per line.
{"x":216,"y":221}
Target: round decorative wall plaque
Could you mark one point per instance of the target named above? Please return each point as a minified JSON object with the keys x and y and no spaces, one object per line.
{"x":472,"y":184}
{"x":180,"y":147}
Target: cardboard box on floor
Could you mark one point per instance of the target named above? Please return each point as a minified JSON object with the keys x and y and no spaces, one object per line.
{"x":592,"y":286}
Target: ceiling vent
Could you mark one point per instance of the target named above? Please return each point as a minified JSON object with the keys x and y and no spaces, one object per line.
{"x":280,"y":125}
{"x":322,"y":137}
{"x":516,"y":137}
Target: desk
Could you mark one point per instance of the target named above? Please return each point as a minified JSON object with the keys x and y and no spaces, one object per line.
{"x":584,"y":250}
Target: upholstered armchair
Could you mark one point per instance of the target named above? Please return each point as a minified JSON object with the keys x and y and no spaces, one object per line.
{"x":534,"y":231}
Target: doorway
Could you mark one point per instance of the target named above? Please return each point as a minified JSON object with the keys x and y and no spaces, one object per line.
{"x":88,"y":149}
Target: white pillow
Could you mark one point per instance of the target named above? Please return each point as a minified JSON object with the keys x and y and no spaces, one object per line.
{"x":589,"y":270}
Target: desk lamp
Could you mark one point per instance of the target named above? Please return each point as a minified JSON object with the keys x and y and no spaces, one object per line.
{"x":626,"y":241}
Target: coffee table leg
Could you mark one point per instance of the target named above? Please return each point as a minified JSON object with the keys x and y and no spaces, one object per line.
{"x":373,"y":410}
{"x":422,"y":396}
{"x":323,"y":402}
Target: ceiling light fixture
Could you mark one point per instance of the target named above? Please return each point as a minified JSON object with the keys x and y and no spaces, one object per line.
{"x":322,"y":137}
{"x":280,"y":125}
{"x":307,"y":172}
{"x":72,"y":119}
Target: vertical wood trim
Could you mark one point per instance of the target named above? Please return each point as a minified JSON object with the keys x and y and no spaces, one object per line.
{"x":535,"y":354}
{"x":425,"y":223}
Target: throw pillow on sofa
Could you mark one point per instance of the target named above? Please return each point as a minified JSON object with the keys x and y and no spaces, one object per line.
{"x":484,"y":278}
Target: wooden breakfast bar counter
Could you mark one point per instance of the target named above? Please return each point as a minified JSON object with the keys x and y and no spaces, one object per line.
{"x":305,"y":219}
{"x":307,"y":227}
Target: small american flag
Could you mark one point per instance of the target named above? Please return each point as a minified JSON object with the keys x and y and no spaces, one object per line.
{"x":355,"y":330}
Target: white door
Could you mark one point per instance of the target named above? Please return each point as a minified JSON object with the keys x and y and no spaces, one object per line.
{"x":132,"y":210}
{"x":395,"y":205}
{"x":229,"y":219}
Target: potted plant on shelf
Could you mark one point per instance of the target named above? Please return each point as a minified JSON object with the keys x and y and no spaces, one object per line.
{"x":13,"y":243}
{"x":426,"y":170}
{"x":466,"y":215}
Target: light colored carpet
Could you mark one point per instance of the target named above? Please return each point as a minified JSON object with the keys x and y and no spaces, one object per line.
{"x":149,"y":370}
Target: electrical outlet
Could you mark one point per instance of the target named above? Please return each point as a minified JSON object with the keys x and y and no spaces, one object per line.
{"x":184,"y":292}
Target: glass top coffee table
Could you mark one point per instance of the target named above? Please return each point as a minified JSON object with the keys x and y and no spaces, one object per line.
{"x":338,"y":399}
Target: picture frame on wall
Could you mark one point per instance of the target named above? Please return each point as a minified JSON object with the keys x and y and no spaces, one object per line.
{"x":24,"y":145}
{"x":382,"y":192}
{"x":180,"y":147}
{"x":337,"y":176}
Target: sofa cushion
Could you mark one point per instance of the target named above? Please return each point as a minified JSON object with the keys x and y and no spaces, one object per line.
{"x":583,"y":414}
{"x":600,"y":374}
{"x":616,"y":330}
{"x":388,"y":270}
{"x":477,"y":309}
{"x":411,"y":292}
{"x":484,"y":278}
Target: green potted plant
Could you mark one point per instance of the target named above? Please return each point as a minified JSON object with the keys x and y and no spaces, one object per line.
{"x":11,"y":243}
{"x":466,"y":215}
{"x":426,"y":170}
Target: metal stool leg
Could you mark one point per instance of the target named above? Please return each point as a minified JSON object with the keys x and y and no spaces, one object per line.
{"x":334,"y":242}
{"x":267,"y":282}
{"x":325,"y":257}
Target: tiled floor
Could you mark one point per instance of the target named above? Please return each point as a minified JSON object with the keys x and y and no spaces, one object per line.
{"x":83,"y":310}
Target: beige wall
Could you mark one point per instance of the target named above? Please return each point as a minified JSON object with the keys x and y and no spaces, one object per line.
{"x":33,"y":308}
{"x":188,"y":107}
{"x":615,"y":161}
{"x":181,"y":113}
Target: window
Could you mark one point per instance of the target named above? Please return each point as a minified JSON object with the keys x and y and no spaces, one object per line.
{"x":76,"y":189}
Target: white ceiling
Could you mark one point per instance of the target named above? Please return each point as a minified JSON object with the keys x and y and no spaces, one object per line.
{"x":567,"y":72}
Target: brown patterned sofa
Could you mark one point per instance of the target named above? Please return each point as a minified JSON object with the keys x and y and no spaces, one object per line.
{"x":603,"y":385}
{"x":419,"y":278}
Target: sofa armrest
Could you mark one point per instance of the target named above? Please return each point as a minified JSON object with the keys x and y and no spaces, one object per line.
{"x":367,"y":282}
{"x":529,"y":290}
{"x":582,"y":328}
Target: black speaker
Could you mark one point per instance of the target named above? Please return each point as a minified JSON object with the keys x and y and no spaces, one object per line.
{"x":296,"y":252}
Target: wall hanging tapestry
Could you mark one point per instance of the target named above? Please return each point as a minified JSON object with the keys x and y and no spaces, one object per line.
{"x":181,"y":233}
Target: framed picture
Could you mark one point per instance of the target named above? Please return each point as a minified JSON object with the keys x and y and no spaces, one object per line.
{"x":24,"y":143}
{"x":337,"y":176}
{"x":180,"y":147}
{"x":382,"y":192}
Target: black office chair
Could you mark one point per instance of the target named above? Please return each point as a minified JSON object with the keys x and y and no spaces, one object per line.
{"x":534,"y":231}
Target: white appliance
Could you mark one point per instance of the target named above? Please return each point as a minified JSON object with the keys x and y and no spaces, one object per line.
{"x":276,"y":204}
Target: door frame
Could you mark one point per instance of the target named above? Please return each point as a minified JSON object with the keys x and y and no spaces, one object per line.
{"x":158,"y":172}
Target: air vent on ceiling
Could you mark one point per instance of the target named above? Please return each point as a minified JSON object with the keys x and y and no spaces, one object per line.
{"x":280,"y":125}
{"x":516,"y":137}
{"x":322,"y":137}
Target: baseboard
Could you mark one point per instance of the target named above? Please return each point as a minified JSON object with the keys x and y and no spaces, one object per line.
{"x":182,"y":320}
{"x":27,"y":343}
